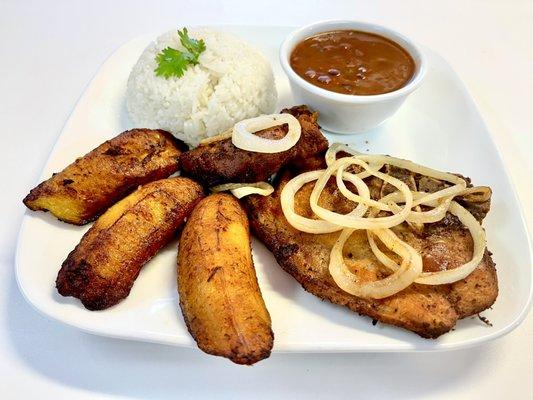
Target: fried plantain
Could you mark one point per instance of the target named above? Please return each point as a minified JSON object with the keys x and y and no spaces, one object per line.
{"x":219,"y":295}
{"x":102,"y":268}
{"x":94,"y":182}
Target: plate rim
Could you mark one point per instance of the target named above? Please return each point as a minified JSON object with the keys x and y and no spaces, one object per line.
{"x":293,"y":347}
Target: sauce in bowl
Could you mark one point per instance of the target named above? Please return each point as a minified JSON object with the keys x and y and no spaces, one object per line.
{"x":352,"y":62}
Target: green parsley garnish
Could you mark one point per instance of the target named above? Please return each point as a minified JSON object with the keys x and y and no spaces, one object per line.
{"x":172,"y":62}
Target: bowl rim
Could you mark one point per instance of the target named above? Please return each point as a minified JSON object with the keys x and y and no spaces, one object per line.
{"x":312,"y":29}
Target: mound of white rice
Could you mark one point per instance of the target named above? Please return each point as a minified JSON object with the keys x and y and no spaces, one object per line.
{"x":232,"y":82}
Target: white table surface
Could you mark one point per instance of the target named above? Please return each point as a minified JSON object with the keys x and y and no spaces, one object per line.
{"x":48,"y":53}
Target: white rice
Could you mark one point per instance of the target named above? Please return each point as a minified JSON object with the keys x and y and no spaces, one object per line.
{"x":232,"y":82}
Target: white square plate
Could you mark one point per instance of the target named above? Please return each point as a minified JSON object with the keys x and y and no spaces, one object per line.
{"x":439,"y":125}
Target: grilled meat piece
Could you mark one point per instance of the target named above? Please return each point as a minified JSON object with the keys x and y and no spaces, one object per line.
{"x":94,"y":182}
{"x":102,"y":268}
{"x":222,"y":162}
{"x":426,"y":310}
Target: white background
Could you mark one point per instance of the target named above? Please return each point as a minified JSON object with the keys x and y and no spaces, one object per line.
{"x":49,"y":51}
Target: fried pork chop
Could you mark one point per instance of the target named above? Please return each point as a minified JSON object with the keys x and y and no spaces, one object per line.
{"x":222,"y":162}
{"x":426,"y":310}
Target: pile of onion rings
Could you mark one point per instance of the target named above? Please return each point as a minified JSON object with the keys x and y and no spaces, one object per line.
{"x":402,"y":205}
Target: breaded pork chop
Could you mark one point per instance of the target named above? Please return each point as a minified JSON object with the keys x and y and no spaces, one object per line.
{"x":426,"y":310}
{"x":222,"y":162}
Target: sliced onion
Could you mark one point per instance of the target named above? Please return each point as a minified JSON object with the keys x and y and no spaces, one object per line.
{"x":357,"y":221}
{"x":240,"y":190}
{"x":382,"y":257}
{"x":449,"y":192}
{"x":451,"y":275}
{"x":413,"y":167}
{"x":342,"y":176}
{"x":217,"y":138}
{"x":331,"y":153}
{"x":243,"y":133}
{"x":477,"y":194}
{"x":403,"y":277}
{"x":410,"y":269}
{"x":434,"y":215}
{"x":335,"y":148}
{"x":437,"y":213}
{"x":480,"y":243}
{"x":362,"y":188}
{"x":287,"y":205}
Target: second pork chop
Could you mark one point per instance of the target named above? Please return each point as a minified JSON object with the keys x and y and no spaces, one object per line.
{"x":426,"y":310}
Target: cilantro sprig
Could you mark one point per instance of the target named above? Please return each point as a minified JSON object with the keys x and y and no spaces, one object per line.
{"x":172,"y":62}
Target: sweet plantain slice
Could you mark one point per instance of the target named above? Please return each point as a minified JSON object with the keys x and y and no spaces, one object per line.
{"x":94,"y":182}
{"x":102,"y":268}
{"x":219,"y":294}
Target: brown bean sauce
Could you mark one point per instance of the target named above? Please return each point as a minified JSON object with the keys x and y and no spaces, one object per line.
{"x":352,"y":62}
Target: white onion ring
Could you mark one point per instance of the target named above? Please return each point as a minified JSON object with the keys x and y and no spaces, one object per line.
{"x":478,"y":194}
{"x":403,"y":277}
{"x":451,"y":275}
{"x":331,"y":153}
{"x":287,"y":205}
{"x":240,"y":190}
{"x":335,"y":148}
{"x":410,"y":269}
{"x":217,"y":138}
{"x":341,"y":176}
{"x":461,"y":272}
{"x":413,"y":167}
{"x":421,"y":198}
{"x":357,"y":221}
{"x":243,"y":133}
{"x":382,"y":257}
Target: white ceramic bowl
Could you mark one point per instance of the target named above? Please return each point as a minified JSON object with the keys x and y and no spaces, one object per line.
{"x":345,"y":113}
